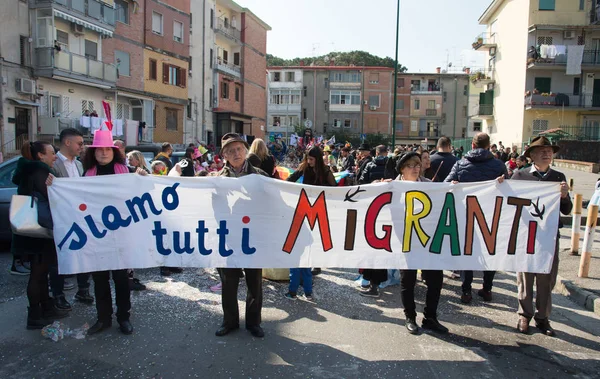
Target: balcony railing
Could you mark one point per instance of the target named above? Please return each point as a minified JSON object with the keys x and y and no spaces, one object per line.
{"x":579,"y":133}
{"x":432,"y":90}
{"x":47,"y":57}
{"x":228,"y":29}
{"x":590,"y":57}
{"x":481,"y":75}
{"x":566,"y":100}
{"x":486,"y":110}
{"x":427,"y":133}
{"x":227,"y":67}
{"x":431,"y":112}
{"x":484,"y":40}
{"x":92,"y":8}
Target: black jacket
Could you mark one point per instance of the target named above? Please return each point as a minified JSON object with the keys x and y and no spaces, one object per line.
{"x":165,"y":160}
{"x":374,"y":170}
{"x":267,"y":165}
{"x":446,"y":161}
{"x":348,"y":163}
{"x":478,"y":165}
{"x":363,"y":166}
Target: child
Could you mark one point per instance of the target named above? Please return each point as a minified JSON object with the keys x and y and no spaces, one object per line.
{"x":295,"y":274}
{"x":158,"y":168}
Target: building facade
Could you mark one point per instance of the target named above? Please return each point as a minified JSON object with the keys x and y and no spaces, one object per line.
{"x":547,"y":52}
{"x":284,"y":110}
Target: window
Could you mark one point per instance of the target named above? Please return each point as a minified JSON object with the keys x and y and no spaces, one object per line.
{"x":374,"y":100}
{"x":581,"y":5}
{"x":188,"y":109}
{"x":347,"y":123}
{"x":400,"y":104}
{"x":576,"y":85}
{"x":225,"y":90}
{"x":276,"y":120}
{"x":547,"y":5}
{"x":414,"y":125}
{"x":174,"y":75}
{"x":305,"y":90}
{"x":24,"y":50}
{"x":464,"y":111}
{"x":177,"y":31}
{"x":276,"y":76}
{"x":63,"y":39}
{"x":374,"y":78}
{"x":210,"y":62}
{"x":400,"y":82}
{"x":212,"y":18}
{"x":236,"y":59}
{"x":290,"y":76}
{"x":122,"y":62}
{"x":55,"y":106}
{"x":477,"y":126}
{"x":157,"y":23}
{"x":399,"y":126}
{"x":544,"y":40}
{"x":539,"y":126}
{"x":417,"y":104}
{"x":152,"y":70}
{"x":431,"y":104}
{"x":210,"y":97}
{"x":304,"y":113}
{"x":415,"y":85}
{"x":337,"y":123}
{"x":226,"y":22}
{"x":543,"y":84}
{"x":346,"y":77}
{"x":171,"y":119}
{"x":444,"y":96}
{"x":91,"y":49}
{"x":225,"y":56}
{"x":465,"y":90}
{"x":237,"y":93}
{"x":122,"y":10}
{"x":345,"y":97}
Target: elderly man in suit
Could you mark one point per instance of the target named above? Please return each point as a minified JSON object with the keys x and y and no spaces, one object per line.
{"x":67,"y":166}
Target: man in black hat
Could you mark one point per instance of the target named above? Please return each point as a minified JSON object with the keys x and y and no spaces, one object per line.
{"x":541,"y":152}
{"x":234,"y":149}
{"x":364,"y":159}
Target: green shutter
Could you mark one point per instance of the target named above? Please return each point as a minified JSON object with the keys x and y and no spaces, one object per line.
{"x":547,"y":5}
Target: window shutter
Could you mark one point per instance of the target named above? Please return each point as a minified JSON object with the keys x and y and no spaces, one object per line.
{"x":165,"y":73}
{"x":182,"y":77}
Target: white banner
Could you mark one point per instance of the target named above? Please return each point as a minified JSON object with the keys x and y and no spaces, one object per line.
{"x":131,"y":221}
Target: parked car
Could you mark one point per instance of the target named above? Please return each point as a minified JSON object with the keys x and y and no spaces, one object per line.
{"x":7,"y":190}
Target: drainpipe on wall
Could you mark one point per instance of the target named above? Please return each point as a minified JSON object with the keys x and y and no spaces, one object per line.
{"x":2,"y":104}
{"x":455,"y":105}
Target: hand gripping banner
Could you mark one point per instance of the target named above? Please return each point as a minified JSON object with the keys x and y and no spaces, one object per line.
{"x":131,"y":221}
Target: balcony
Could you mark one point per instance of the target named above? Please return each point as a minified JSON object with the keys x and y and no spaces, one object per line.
{"x":52,"y":64}
{"x":431,"y":112}
{"x":562,"y":100}
{"x":92,"y":10}
{"x":425,"y":134}
{"x":432,"y":90}
{"x":485,"y":41}
{"x":578,"y":133}
{"x":227,"y":30}
{"x":595,"y":15}
{"x":591,"y":59}
{"x":485,"y":111}
{"x":228,"y":68}
{"x":481,"y":77}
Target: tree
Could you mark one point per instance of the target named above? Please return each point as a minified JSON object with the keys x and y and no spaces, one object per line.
{"x":353,"y":58}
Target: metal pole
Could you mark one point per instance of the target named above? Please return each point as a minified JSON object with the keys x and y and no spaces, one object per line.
{"x":455,"y":106}
{"x":395,"y":77}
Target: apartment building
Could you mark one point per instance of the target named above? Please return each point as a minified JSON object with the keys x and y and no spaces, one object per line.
{"x":546,"y":51}
{"x":284,"y":110}
{"x":403,"y":93}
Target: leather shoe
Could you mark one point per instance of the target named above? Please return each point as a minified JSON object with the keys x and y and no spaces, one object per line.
{"x":256,"y":331}
{"x":412,"y":326}
{"x":61,"y":303}
{"x":84,"y":296}
{"x":99,"y":326}
{"x":544,"y":327}
{"x":224,"y":330}
{"x":523,"y":325}
{"x":125,"y":327}
{"x":434,"y":324}
{"x":466,"y":297}
{"x":486,"y":295}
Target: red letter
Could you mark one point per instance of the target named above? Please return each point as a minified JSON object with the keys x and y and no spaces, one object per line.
{"x":314,"y":212}
{"x":370,"y":220}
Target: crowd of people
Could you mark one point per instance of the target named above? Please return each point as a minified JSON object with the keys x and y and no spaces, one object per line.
{"x":315,"y":163}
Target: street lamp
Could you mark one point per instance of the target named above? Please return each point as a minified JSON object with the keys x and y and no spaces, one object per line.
{"x":395,"y":77}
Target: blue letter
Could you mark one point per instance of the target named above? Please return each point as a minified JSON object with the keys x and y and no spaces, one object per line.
{"x":75,"y":244}
{"x":246,"y":249}
{"x":92,"y":225}
{"x":177,"y":247}
{"x":159,"y":232}
{"x":117,"y":220}
{"x":170,"y":206}
{"x":201,"y":230}
{"x":146,"y":198}
{"x":222,"y":232}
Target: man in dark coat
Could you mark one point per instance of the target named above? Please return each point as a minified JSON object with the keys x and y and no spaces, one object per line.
{"x":541,"y":151}
{"x":442,"y":161}
{"x":164,"y":156}
{"x":478,"y":165}
{"x":365,"y":158}
{"x":375,"y":170}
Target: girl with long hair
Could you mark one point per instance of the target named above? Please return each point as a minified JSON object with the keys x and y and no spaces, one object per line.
{"x":259,"y":156}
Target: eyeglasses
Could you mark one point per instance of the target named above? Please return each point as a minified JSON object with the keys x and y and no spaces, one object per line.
{"x":412,"y":166}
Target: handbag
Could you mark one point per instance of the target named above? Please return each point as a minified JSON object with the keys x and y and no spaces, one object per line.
{"x":27,"y":215}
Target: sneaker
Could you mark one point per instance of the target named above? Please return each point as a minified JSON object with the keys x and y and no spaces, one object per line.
{"x":69,"y":285}
{"x":486,"y":295}
{"x":291,"y":296}
{"x":466,"y":297}
{"x":19,"y":269}
{"x":217,"y":287}
{"x":309,"y":297}
{"x":27,"y":265}
{"x":373,"y":291}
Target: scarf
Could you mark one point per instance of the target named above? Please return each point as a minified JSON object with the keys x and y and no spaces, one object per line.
{"x":119,"y":169}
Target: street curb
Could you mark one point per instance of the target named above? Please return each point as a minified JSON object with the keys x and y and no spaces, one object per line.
{"x":586,"y":299}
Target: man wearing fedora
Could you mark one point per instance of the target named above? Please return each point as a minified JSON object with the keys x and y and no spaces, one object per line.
{"x":364,"y":151}
{"x":540,"y":151}
{"x":234,"y":149}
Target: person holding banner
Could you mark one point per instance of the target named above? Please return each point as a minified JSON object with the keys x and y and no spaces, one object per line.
{"x":478,"y":165}
{"x":410,"y":167}
{"x":104,"y":158}
{"x":235,"y":149}
{"x":32,"y":177}
{"x":541,"y":152}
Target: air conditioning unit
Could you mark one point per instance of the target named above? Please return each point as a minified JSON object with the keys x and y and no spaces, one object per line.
{"x":569,"y":34}
{"x":26,"y":86}
{"x":373,"y":108}
{"x":77,"y":29}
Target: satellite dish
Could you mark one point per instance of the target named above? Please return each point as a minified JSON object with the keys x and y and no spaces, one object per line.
{"x":308,"y":123}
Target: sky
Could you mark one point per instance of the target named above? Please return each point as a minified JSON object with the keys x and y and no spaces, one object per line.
{"x":432,"y":32}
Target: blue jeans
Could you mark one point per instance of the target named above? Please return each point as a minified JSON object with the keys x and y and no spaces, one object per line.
{"x":306,"y":280}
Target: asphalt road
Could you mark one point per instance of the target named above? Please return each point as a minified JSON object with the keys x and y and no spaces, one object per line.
{"x":340,"y":335}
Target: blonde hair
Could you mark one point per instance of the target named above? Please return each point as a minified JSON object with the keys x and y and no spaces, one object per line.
{"x":259,"y":148}
{"x":139,"y":157}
